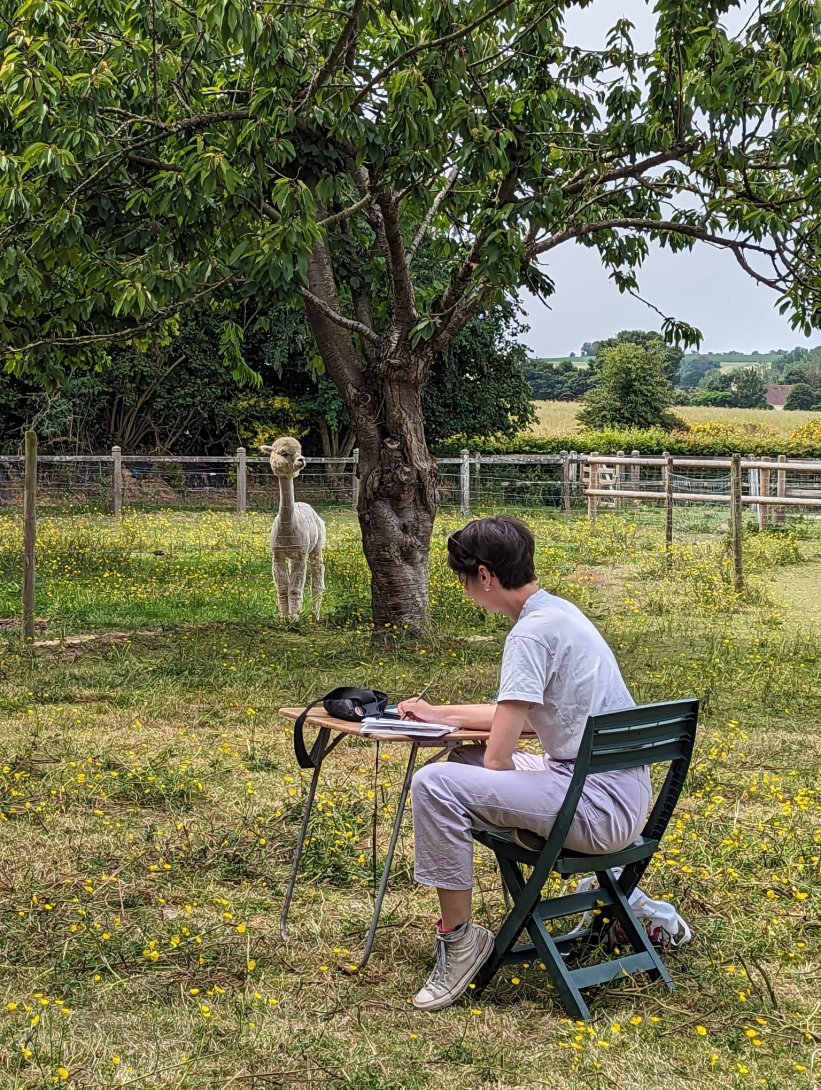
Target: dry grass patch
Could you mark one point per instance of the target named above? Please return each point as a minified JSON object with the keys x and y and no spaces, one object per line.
{"x":150,"y":801}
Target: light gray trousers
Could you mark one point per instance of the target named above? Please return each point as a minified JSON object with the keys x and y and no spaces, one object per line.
{"x":451,"y":797}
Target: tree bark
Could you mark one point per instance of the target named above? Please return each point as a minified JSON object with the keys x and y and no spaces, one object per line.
{"x":397,"y":495}
{"x":397,"y":507}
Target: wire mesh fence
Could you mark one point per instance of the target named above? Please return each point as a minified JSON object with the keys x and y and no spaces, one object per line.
{"x":698,"y":488}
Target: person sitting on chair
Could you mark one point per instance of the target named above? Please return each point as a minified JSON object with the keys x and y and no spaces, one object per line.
{"x":556,"y":670}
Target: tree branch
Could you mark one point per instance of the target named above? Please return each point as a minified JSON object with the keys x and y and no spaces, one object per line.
{"x":123,"y":334}
{"x":338,"y":319}
{"x":668,"y":227}
{"x":422,"y":46}
{"x":404,"y":298}
{"x":346,"y":213}
{"x":632,"y":170}
{"x":431,"y":212}
{"x":337,"y":54}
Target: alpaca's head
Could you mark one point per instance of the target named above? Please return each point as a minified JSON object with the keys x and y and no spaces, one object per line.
{"x":286,"y":456}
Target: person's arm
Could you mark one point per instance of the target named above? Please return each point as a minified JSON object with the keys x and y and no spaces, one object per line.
{"x":508,"y":723}
{"x":461,"y":716}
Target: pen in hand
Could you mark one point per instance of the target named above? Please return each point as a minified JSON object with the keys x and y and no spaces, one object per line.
{"x":404,"y":715}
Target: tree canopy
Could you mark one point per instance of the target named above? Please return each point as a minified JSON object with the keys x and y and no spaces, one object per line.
{"x":178,"y":397}
{"x":631,"y":390}
{"x":158,"y":154}
{"x":644,"y":337}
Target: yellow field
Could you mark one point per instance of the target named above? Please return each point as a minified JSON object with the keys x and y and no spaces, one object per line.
{"x":559,"y":417}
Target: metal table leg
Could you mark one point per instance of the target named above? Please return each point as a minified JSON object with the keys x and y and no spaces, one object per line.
{"x":303,"y":831}
{"x":386,"y":869}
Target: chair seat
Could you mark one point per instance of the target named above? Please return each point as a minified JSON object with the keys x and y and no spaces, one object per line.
{"x":568,"y":862}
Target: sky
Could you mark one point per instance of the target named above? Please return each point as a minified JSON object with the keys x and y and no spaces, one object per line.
{"x":705,"y":287}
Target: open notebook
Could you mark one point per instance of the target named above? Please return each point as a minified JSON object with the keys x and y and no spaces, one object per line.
{"x":411,"y":728}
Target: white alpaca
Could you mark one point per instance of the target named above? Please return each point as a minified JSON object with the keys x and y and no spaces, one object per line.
{"x":297,"y":534}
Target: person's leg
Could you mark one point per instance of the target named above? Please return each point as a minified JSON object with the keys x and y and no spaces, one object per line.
{"x":448,"y":800}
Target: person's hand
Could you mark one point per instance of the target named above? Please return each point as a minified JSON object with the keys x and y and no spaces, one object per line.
{"x":417,"y":709}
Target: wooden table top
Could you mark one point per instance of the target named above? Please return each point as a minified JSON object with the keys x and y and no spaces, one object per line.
{"x":318,"y":717}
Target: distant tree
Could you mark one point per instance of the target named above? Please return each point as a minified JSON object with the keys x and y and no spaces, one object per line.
{"x":589,"y":348}
{"x":644,"y":338}
{"x":692,"y":372}
{"x":632,"y":388}
{"x":795,"y":355}
{"x":561,"y":381}
{"x":716,"y":380}
{"x":477,"y":386}
{"x":802,"y":396}
{"x":749,"y":388}
{"x":719,"y":399}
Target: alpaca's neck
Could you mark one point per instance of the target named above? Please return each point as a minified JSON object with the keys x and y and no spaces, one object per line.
{"x":286,"y":501}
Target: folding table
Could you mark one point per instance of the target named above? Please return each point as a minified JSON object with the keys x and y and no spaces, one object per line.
{"x":331,"y":733}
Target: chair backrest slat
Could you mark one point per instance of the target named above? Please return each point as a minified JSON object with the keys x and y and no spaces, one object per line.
{"x":636,"y":756}
{"x":648,"y":734}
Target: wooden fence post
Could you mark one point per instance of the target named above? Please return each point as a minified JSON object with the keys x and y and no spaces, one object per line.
{"x":29,"y":532}
{"x":574,"y":475}
{"x":735,"y":522}
{"x":565,"y":485}
{"x":242,"y":481}
{"x":592,"y":482}
{"x":635,"y":477}
{"x":668,"y":522}
{"x":355,"y":482}
{"x":764,"y":486}
{"x":477,"y":477}
{"x":617,"y":478}
{"x":754,"y":486}
{"x":117,"y":480}
{"x":780,"y":488}
{"x":464,"y":483}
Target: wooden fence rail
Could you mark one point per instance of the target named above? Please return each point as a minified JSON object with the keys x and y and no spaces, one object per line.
{"x":578,"y":477}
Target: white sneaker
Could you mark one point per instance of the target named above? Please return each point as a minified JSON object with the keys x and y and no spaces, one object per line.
{"x":460,"y":954}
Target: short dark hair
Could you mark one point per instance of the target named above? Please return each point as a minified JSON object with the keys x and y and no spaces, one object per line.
{"x":502,"y":543}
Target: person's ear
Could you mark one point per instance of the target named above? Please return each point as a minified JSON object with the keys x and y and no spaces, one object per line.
{"x":485,"y":576}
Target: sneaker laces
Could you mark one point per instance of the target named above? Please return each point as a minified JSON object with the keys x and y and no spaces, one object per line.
{"x":440,"y":970}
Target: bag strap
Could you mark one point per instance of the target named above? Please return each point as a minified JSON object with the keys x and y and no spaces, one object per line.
{"x":306,"y":759}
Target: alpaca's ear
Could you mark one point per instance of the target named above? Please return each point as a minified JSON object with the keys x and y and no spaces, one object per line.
{"x":265,"y":449}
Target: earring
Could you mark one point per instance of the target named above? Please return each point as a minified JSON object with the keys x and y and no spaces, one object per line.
{"x":487,"y":590}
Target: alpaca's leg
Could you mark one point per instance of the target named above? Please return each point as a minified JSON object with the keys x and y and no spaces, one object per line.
{"x":279,"y":570}
{"x":317,"y":581}
{"x":296,"y":592}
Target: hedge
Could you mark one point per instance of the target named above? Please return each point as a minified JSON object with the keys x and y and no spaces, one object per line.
{"x":710,"y":439}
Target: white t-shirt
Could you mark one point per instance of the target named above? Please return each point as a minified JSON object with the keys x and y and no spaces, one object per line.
{"x":557,"y":660}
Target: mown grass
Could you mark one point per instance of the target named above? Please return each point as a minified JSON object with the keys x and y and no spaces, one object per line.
{"x":559,"y":418}
{"x":150,"y":800}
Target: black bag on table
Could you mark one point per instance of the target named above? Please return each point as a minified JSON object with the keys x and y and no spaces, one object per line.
{"x":347,"y":703}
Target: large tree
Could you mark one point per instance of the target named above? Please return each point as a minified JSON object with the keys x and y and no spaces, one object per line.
{"x":156,"y":153}
{"x":644,"y":338}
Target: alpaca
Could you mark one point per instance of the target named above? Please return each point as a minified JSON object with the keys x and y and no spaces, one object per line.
{"x":297,"y":534}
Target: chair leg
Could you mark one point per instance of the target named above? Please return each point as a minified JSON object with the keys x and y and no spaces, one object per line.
{"x":513,"y":924}
{"x":636,"y":935}
{"x":571,"y":997}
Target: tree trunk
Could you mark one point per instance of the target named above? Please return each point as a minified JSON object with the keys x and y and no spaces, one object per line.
{"x":381,"y":383}
{"x":397,"y":506}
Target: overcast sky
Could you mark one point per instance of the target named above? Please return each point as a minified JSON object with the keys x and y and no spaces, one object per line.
{"x":705,"y":287}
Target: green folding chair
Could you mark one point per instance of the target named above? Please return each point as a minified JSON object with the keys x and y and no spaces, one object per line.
{"x":647,"y":735}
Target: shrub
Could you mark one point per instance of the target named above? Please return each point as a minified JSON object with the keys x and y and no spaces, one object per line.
{"x":711,"y":439}
{"x":632,"y":389}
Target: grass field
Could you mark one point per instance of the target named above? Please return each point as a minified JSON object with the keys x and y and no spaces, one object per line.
{"x":559,"y":418}
{"x":149,"y":801}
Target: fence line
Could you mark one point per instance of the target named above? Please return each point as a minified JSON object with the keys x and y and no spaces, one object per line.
{"x":566,"y":480}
